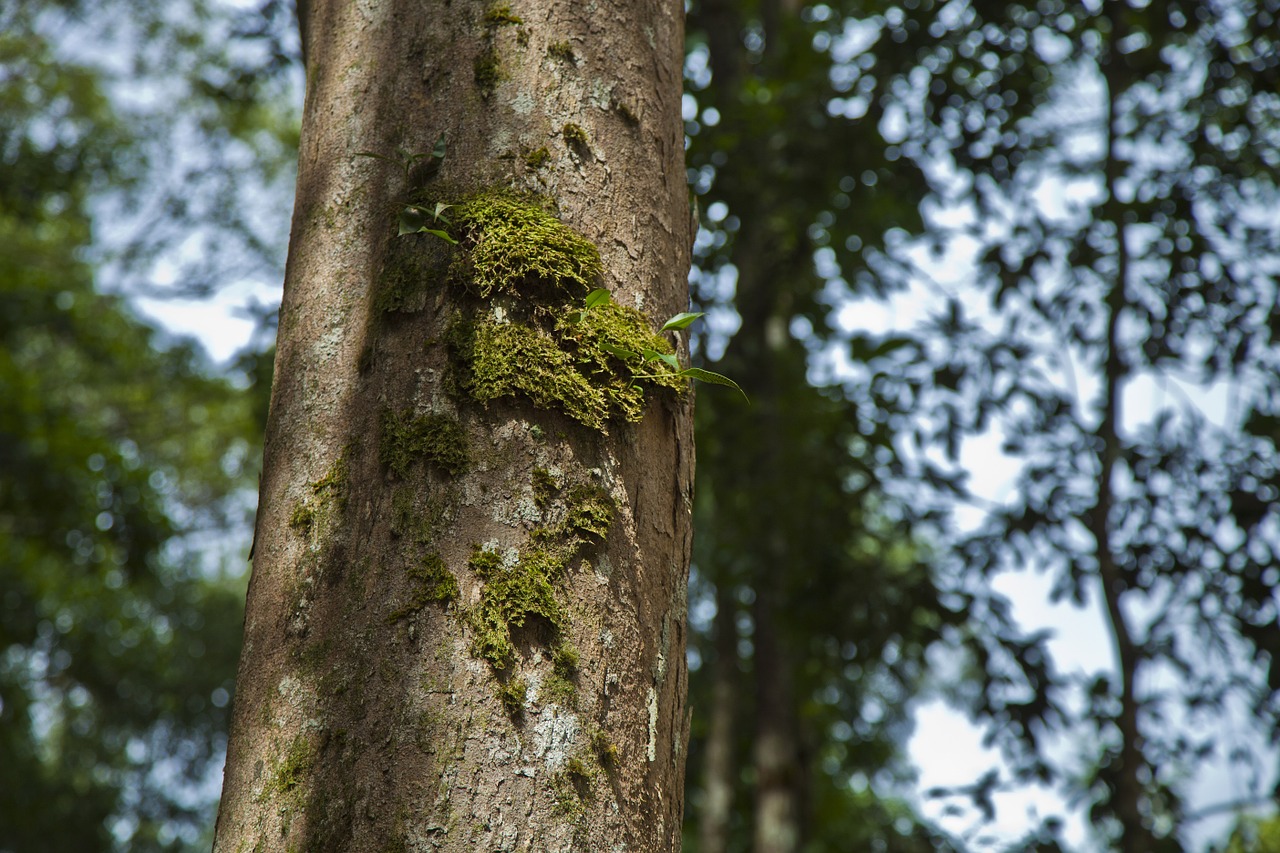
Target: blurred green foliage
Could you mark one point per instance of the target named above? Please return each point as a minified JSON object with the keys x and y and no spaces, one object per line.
{"x":126,"y":470}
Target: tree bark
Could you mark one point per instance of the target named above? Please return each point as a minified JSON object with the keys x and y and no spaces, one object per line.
{"x":466,"y":619}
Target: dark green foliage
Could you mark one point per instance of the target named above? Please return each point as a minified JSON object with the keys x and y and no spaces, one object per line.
{"x":120,"y":551}
{"x":795,"y":534}
{"x":1151,"y":510}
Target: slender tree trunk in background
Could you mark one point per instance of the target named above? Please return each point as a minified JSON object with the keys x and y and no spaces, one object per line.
{"x":778,"y":772}
{"x":719,"y":770}
{"x":757,"y":351}
{"x":465,"y":624}
{"x":1128,"y":792}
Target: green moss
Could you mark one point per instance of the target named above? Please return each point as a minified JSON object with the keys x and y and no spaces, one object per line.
{"x":512,"y":694}
{"x":511,"y":359}
{"x":535,"y":160}
{"x":500,"y":15}
{"x":403,"y":284}
{"x":590,"y":511}
{"x":544,"y":346}
{"x":509,"y":597}
{"x":513,"y":243}
{"x":430,"y":581}
{"x":303,"y":517}
{"x":439,"y":439}
{"x":488,"y":71}
{"x":545,"y":487}
{"x":561,"y":50}
{"x":628,"y":114}
{"x":605,"y":749}
{"x":574,"y":136}
{"x":566,"y":368}
{"x":560,"y":686}
{"x":564,"y":662}
{"x":329,"y":489}
{"x":293,"y":768}
{"x":402,"y":513}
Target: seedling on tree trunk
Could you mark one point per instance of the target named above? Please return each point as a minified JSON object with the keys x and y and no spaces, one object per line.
{"x":646,"y":356}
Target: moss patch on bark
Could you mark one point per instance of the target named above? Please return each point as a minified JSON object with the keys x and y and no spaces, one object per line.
{"x":438,"y":439}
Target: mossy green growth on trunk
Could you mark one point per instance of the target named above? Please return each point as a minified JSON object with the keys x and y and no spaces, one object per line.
{"x":438,"y":439}
{"x":509,"y":597}
{"x":565,"y":365}
{"x":513,"y":242}
{"x":538,"y":339}
{"x":431,"y":581}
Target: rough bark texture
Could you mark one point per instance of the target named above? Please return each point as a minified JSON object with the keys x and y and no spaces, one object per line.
{"x":466,"y":620}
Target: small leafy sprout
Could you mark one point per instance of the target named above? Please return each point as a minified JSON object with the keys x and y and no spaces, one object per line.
{"x":408,"y":160}
{"x":414,"y":220}
{"x":682,"y":320}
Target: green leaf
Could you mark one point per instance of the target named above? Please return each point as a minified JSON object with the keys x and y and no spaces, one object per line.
{"x":621,"y":352}
{"x":654,"y":355}
{"x":681,"y":321}
{"x":437,"y":151}
{"x":441,"y":207}
{"x":412,"y":220}
{"x":443,"y":235}
{"x":713,"y":378}
{"x":599,"y":296}
{"x":577,"y":316}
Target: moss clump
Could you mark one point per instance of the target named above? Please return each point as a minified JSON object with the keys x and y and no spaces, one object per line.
{"x":509,"y":597}
{"x":293,"y":768}
{"x":560,"y":686}
{"x":303,"y":517}
{"x":606,"y":750}
{"x":590,"y":511}
{"x":512,"y":695}
{"x":509,"y":359}
{"x":437,"y":438}
{"x":561,"y":50}
{"x":402,"y":514}
{"x":574,"y":134}
{"x":500,"y":15}
{"x":430,"y":581}
{"x":545,"y":487}
{"x":402,"y":286}
{"x":535,"y":160}
{"x":331,"y":488}
{"x":628,"y":114}
{"x":488,"y":71}
{"x":567,"y":367}
{"x":514,"y":243}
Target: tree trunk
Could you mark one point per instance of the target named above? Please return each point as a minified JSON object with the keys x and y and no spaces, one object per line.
{"x":466,"y":620}
{"x":776,"y":759}
{"x":719,"y":768}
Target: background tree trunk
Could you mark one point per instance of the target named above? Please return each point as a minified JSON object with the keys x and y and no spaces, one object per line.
{"x":720,"y":769}
{"x":466,"y":620}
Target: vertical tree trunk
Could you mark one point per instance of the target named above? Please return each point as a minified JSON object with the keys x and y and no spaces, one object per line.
{"x":1128,"y":794}
{"x":465,"y":625}
{"x":776,"y":758}
{"x":719,"y":770}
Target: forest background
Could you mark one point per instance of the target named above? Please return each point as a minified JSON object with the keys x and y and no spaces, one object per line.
{"x":1000,"y":280}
